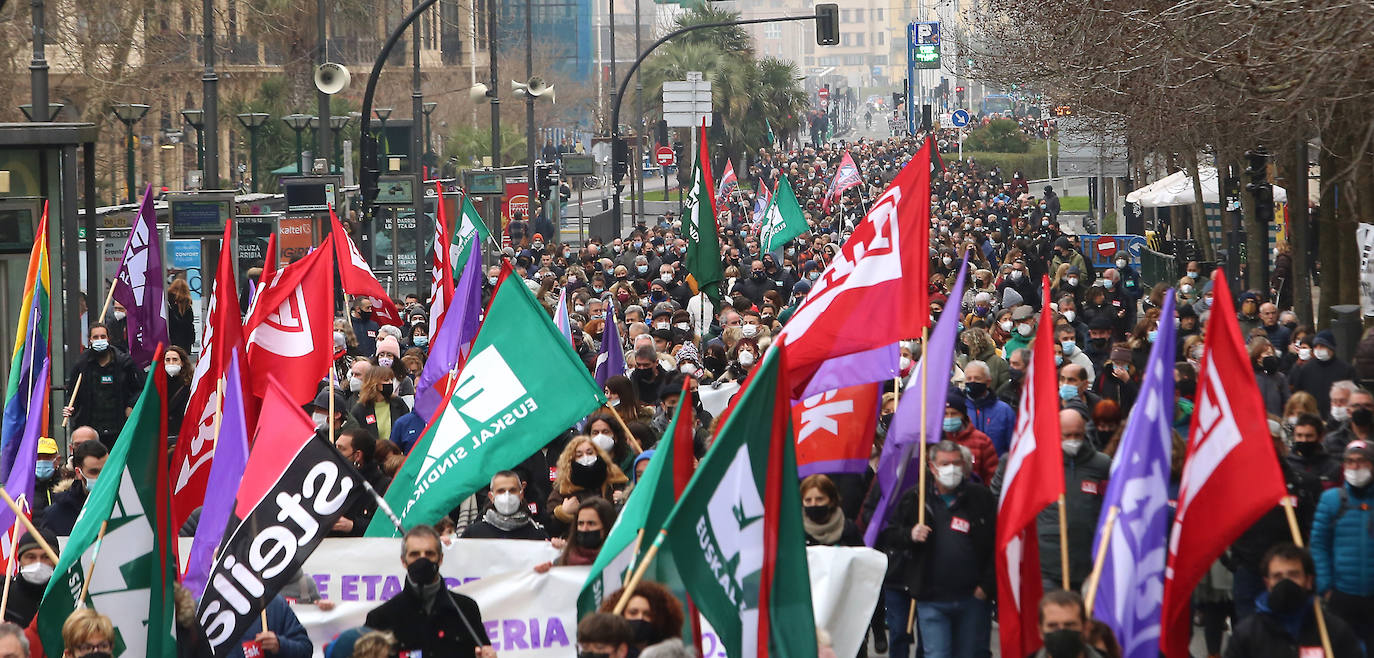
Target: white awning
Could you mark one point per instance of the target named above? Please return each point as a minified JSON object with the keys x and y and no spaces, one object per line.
{"x":1176,"y":189}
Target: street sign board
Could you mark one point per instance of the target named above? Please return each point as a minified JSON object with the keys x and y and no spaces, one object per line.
{"x":923,"y":44}
{"x":824,"y":93}
{"x":664,"y":156}
{"x":687,"y":103}
{"x":959,"y":118}
{"x":578,"y":165}
{"x":484,"y":183}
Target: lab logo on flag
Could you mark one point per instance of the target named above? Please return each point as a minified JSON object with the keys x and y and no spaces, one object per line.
{"x":821,"y":413}
{"x":286,"y":331}
{"x":693,"y":228}
{"x":1219,"y":436}
{"x":731,"y":534}
{"x":486,"y":387}
{"x":110,"y":589}
{"x":137,"y":262}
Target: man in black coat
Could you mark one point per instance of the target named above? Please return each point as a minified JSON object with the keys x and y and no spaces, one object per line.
{"x":359,"y":446}
{"x":1285,"y":623}
{"x":88,"y":460}
{"x":110,"y":384}
{"x":425,"y":616}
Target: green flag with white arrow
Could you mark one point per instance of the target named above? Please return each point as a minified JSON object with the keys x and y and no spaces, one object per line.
{"x":783,"y":220}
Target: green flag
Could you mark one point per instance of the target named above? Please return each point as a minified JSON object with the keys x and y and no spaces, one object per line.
{"x":520,"y":387}
{"x":639,"y":521}
{"x":468,"y":228}
{"x":783,"y":220}
{"x":699,"y":224}
{"x":735,"y":537}
{"x":135,"y":562}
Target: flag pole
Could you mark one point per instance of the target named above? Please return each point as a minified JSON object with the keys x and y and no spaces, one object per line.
{"x":1063,"y":543}
{"x":9,"y":573}
{"x":1292,"y":517}
{"x":921,"y":482}
{"x":629,"y":588}
{"x":1090,"y":589}
{"x":86,"y":582}
{"x":28,"y":525}
{"x":629,"y":436}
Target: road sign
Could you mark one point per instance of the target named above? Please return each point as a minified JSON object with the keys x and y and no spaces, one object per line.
{"x":1106,"y":245}
{"x":923,"y":45}
{"x":959,"y":118}
{"x":824,"y":93}
{"x":664,"y":156}
{"x":686,"y":103}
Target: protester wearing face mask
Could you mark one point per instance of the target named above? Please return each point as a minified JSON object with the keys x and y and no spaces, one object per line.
{"x":319,"y":413}
{"x":604,"y":635}
{"x":1308,"y":455}
{"x":1342,"y":543}
{"x":743,"y":356}
{"x":1023,"y":328}
{"x":425,"y":616}
{"x":365,"y":328}
{"x":822,"y":519}
{"x":379,"y":407}
{"x":507,"y":515}
{"x":1063,"y":620}
{"x":88,"y":459}
{"x":583,"y":471}
{"x":1317,"y":376}
{"x":583,"y":540}
{"x":956,"y":427}
{"x":35,"y":570}
{"x":176,"y":363}
{"x":48,"y":475}
{"x":951,"y":571}
{"x":986,"y":413}
{"x":609,"y":436}
{"x":1358,"y":415}
{"x":1085,"y":481}
{"x":87,"y":634}
{"x":1286,"y":623}
{"x":110,"y":384}
{"x":655,"y":617}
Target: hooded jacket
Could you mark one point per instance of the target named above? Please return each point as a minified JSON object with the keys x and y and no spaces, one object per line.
{"x":1342,"y":543}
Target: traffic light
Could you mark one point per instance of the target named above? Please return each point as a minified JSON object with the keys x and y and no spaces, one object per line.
{"x":661,"y":132}
{"x":926,"y":123}
{"x":620,"y":157}
{"x":1259,"y":186}
{"x":827,"y":24}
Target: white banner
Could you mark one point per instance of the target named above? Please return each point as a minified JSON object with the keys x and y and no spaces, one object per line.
{"x":1364,"y":238}
{"x":530,"y":615}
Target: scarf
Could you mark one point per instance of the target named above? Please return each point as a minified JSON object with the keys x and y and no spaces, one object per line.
{"x":826,"y":533}
{"x":427,"y":593}
{"x":507,"y":523}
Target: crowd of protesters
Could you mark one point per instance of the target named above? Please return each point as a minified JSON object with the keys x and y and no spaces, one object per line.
{"x":1105,"y":320}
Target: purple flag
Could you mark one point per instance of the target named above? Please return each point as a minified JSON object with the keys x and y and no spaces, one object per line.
{"x":898,"y":463}
{"x":140,"y":287}
{"x":611,"y":361}
{"x":876,"y":365}
{"x":560,"y":317}
{"x":455,"y":336}
{"x":20,"y":481}
{"x":226,"y":472}
{"x":1130,"y":593}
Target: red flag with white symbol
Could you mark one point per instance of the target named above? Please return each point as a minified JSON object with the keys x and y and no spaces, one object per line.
{"x":885,"y":264}
{"x":291,"y":329}
{"x":1231,"y":476}
{"x":834,"y":430}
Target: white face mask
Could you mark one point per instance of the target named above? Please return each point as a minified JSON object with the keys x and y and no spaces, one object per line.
{"x":1071,"y":446}
{"x":1120,"y":263}
{"x":1016,"y":275}
{"x":120,"y":315}
{"x":1073,"y":281}
{"x":173,"y":369}
{"x":666,"y":278}
{"x":319,"y":418}
{"x":1304,"y":353}
{"x":579,"y":309}
{"x":748,"y":330}
{"x":604,"y":441}
{"x":1358,"y":477}
{"x":1340,"y":414}
{"x":947,"y":260}
{"x":1005,"y":325}
{"x":506,"y":504}
{"x":661,"y":325}
{"x":586,"y":460}
{"x":683,"y":326}
{"x":386,"y":361}
{"x":1322,"y":353}
{"x":1186,"y":288}
{"x":746,"y":359}
{"x":687,"y":368}
{"x":39,"y":573}
{"x":100,"y":344}
{"x":1025,"y":329}
{"x":950,"y":475}
{"x":904,"y":362}
{"x":1070,"y":315}
{"x":355,"y":384}
{"x":614,"y":402}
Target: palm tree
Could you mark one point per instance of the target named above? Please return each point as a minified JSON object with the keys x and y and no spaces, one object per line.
{"x":729,"y":40}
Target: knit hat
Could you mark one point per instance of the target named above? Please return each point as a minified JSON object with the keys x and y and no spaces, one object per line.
{"x":1325,"y":338}
{"x":389,"y":345}
{"x":1361,"y":448}
{"x":956,"y":399}
{"x":1011,"y":298}
{"x":688,"y":353}
{"x":634,"y":468}
{"x":28,"y":542}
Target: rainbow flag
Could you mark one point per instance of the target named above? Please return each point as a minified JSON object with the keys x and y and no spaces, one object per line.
{"x":30,"y":351}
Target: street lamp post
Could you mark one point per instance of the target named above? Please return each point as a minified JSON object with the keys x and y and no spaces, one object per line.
{"x":253,"y":121}
{"x":428,"y":109}
{"x":298,"y":122}
{"x":196,"y":119}
{"x":129,"y":114}
{"x":383,"y":113}
{"x":336,"y":125}
{"x":315,"y":146}
{"x":53,"y":110}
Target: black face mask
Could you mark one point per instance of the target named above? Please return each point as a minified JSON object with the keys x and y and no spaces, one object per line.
{"x":1286,"y":597}
{"x":99,"y":654}
{"x":593,"y":654}
{"x":588,"y":477}
{"x":1064,"y":643}
{"x":976,"y":389}
{"x":388,"y":389}
{"x":1016,"y":374}
{"x":422,"y":571}
{"x":1186,"y":387}
{"x":713,"y":363}
{"x":1307,"y":448}
{"x":1269,"y":364}
{"x":817,"y":513}
{"x":589,"y":538}
{"x":886,"y":420}
{"x":644,"y":632}
{"x":1362,"y":417}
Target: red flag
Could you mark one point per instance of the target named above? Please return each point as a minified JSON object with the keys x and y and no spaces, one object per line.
{"x":884,"y":265}
{"x":195,"y":445}
{"x":1231,"y":476}
{"x":1033,"y":479}
{"x":441,"y":288}
{"x":834,"y":430}
{"x":846,"y":176}
{"x":269,"y":264}
{"x":357,"y":278}
{"x":728,"y":183}
{"x":291,"y":329}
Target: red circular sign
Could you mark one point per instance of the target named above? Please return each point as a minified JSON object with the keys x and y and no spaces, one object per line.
{"x":1106,"y":245}
{"x":664,"y":156}
{"x":824,"y":93}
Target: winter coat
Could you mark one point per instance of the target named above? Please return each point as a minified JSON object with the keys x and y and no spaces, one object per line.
{"x":1272,"y":528}
{"x":958,"y":556}
{"x":998,"y":369}
{"x":448,"y":630}
{"x":1273,"y":390}
{"x":994,"y":418}
{"x":1343,"y":540}
{"x":984,"y":454}
{"x":282,"y":621}
{"x":1264,"y":635}
{"x":366,"y":415}
{"x":1316,"y":377}
{"x":1085,"y":482}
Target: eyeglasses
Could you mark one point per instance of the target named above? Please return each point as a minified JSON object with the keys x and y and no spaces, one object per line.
{"x":92,"y":647}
